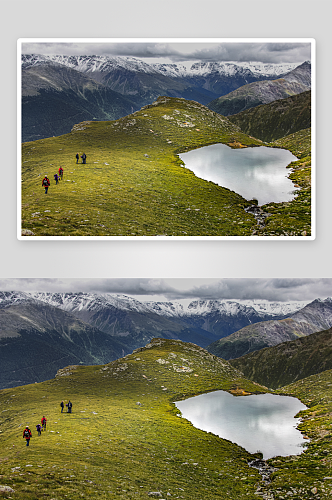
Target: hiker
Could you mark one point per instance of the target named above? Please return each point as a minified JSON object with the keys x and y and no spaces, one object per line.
{"x":62,"y":406}
{"x":83,"y":158}
{"x":61,"y":172}
{"x":27,"y":434}
{"x":43,"y":422}
{"x":69,"y":406}
{"x":77,"y":157}
{"x":39,"y":429}
{"x":46,"y":183}
{"x":56,"y":178}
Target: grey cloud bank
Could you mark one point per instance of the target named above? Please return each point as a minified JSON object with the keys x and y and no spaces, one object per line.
{"x":273,"y":289}
{"x":177,"y":51}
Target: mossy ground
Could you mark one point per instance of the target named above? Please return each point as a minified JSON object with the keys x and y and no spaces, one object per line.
{"x":308,"y":475}
{"x":124,"y":438}
{"x":134,"y":183}
{"x":294,"y":217}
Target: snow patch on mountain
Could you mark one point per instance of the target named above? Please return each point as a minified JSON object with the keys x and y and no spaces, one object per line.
{"x":227,"y":307}
{"x":91,"y":64}
{"x":72,"y":302}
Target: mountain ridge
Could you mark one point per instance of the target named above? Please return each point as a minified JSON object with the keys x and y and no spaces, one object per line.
{"x":118,"y":86}
{"x":74,"y":328}
{"x":187,"y":68}
{"x":277,"y":119}
{"x":315,"y":316}
{"x":263,"y":92}
{"x":288,"y":362}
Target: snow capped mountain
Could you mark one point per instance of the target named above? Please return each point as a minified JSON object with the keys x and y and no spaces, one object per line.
{"x":76,"y":302}
{"x":13,"y":298}
{"x":226,"y":307}
{"x":103,"y":64}
{"x":275,"y":308}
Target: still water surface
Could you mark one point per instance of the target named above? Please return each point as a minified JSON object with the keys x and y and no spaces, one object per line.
{"x":263,"y":422}
{"x":251,"y":172}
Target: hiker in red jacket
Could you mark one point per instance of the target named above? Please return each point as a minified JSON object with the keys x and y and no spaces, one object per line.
{"x":27,"y":434}
{"x":46,"y":183}
{"x":43,"y":422}
{"x":61,"y":172}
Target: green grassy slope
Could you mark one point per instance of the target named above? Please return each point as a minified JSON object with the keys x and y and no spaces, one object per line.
{"x":309,"y":475}
{"x":277,"y":119}
{"x":134,"y":183}
{"x":124,"y":438}
{"x":294,"y":217}
{"x":283,"y":364}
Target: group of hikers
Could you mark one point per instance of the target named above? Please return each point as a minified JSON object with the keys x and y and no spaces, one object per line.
{"x":27,"y":431}
{"x":83,"y":158}
{"x":46,"y":182}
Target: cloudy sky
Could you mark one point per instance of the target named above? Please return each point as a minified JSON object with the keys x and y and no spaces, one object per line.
{"x":277,"y":289}
{"x":177,"y":50}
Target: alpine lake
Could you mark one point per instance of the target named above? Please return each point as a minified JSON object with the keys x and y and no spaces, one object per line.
{"x":254,"y":173}
{"x":262,"y":423}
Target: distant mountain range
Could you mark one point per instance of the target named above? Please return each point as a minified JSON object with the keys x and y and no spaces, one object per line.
{"x":314,"y":317}
{"x":60,"y":91}
{"x":264,"y":92}
{"x":288,"y":362}
{"x":56,"y":97}
{"x":277,"y":119}
{"x":42,"y":332}
{"x":136,"y":321}
{"x":37,"y":339}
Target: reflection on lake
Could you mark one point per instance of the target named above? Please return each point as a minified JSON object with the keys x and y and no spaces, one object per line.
{"x":251,"y":172}
{"x":263,"y":422}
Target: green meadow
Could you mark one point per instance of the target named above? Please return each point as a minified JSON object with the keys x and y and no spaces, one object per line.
{"x":126,"y":439}
{"x":134,"y":183}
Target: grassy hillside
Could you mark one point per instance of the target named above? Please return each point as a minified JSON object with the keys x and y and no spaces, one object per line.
{"x":309,"y":475}
{"x":254,"y":94}
{"x":297,"y":213}
{"x":134,"y":184}
{"x":258,"y":336}
{"x":124,"y":438}
{"x":287,"y":362}
{"x":277,"y":119}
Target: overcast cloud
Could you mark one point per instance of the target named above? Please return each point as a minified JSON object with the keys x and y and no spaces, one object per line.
{"x":177,"y":51}
{"x":274,"y":289}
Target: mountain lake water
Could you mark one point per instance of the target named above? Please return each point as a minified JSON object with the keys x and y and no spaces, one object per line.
{"x":263,"y":422}
{"x":258,"y":172}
